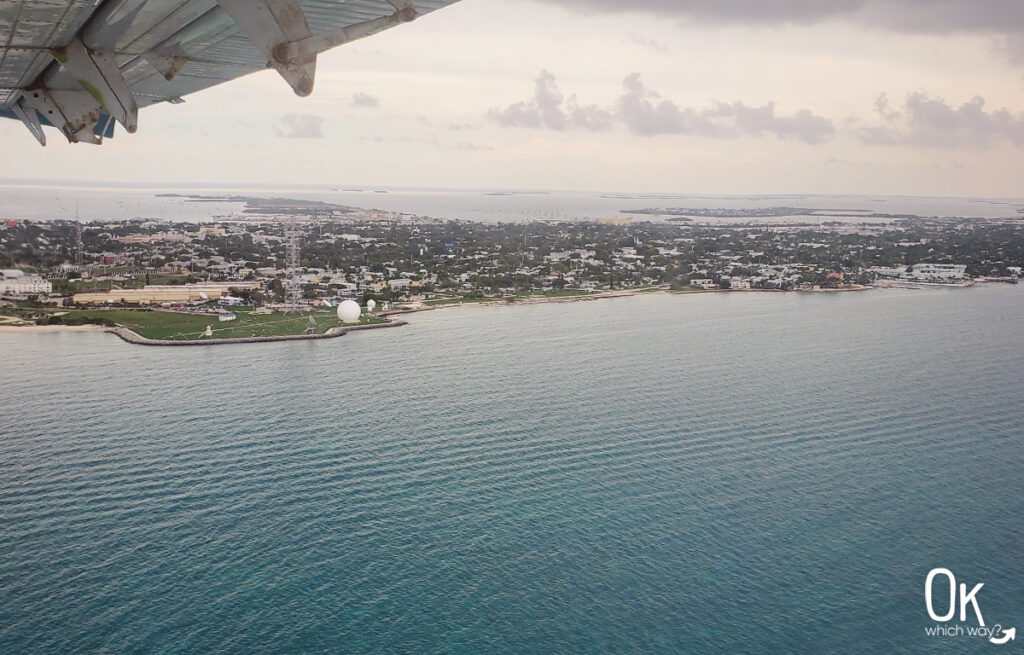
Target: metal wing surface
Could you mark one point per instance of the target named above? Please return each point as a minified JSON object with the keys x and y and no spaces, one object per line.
{"x":82,"y":65}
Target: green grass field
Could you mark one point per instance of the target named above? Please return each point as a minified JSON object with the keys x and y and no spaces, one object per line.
{"x":175,"y":326}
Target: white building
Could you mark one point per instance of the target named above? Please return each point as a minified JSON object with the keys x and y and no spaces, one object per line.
{"x":887,"y":271}
{"x":211,"y":230}
{"x":739,"y":283}
{"x":938,"y":272}
{"x":16,"y":282}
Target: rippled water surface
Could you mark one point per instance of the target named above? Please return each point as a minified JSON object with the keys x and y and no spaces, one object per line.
{"x":734,"y":473}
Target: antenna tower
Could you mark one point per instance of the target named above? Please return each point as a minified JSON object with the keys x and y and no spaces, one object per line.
{"x":294,"y":236}
{"x":78,"y":239}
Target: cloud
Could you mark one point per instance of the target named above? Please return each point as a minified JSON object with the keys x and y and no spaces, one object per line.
{"x":740,"y":11}
{"x":885,"y":112}
{"x":300,"y":126}
{"x":1012,"y":47}
{"x":365,"y":100}
{"x":1003,"y":19}
{"x":473,"y":147}
{"x":943,"y":16}
{"x":757,"y":121}
{"x":429,"y":140}
{"x":649,"y":43}
{"x":550,"y":110}
{"x":832,"y":160}
{"x":877,"y":135}
{"x":646,"y":113}
{"x":588,"y":117}
{"x":932,"y":122}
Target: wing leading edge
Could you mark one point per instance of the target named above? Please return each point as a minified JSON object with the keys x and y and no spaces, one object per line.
{"x":82,"y":65}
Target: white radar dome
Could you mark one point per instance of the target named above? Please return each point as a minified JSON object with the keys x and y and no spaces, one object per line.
{"x":348,"y":311}
{"x":371,"y":304}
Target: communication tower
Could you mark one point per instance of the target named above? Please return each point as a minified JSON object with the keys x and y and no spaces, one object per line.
{"x":78,"y":239}
{"x":294,"y":237}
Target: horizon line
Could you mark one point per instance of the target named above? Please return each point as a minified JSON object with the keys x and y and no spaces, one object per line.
{"x":343,"y":187}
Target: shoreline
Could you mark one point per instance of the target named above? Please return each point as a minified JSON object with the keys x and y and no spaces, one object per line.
{"x":41,"y":329}
{"x":130,"y":336}
{"x":625,"y":293}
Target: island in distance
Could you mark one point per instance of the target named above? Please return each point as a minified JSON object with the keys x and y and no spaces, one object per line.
{"x":689,"y":213}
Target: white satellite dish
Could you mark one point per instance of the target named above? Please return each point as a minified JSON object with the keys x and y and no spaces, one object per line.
{"x":371,"y":304}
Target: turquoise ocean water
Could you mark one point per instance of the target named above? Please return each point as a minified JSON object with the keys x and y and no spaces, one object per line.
{"x":718,"y":473}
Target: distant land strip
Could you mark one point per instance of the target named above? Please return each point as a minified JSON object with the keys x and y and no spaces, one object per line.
{"x":686,"y":213}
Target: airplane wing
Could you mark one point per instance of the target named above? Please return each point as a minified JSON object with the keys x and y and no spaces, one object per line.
{"x":82,"y":65}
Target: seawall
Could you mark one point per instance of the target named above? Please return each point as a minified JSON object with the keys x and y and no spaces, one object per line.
{"x":134,"y":337}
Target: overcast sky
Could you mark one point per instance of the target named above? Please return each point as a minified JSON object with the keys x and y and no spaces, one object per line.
{"x":917,"y":97}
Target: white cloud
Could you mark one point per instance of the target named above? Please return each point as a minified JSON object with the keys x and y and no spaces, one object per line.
{"x":548,"y":109}
{"x":300,"y":126}
{"x":941,"y":16}
{"x":932,"y":122}
{"x":646,"y":113}
{"x":365,"y":101}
